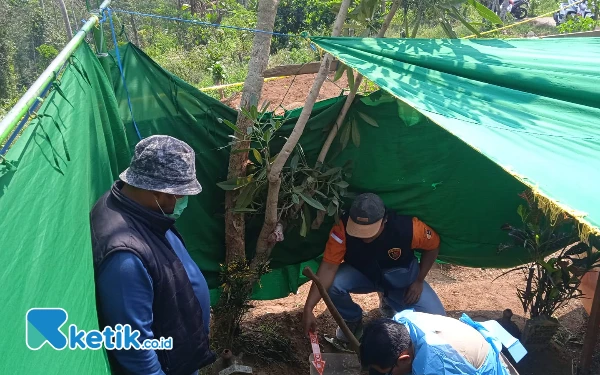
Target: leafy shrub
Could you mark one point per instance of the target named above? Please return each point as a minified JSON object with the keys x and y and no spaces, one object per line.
{"x":577,"y":24}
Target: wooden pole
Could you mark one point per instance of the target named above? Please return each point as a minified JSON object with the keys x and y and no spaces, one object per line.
{"x":591,"y":334}
{"x":354,"y":344}
{"x":297,"y":69}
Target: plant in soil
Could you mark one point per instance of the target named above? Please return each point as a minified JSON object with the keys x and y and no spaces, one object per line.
{"x":558,"y":261}
{"x":323,"y":190}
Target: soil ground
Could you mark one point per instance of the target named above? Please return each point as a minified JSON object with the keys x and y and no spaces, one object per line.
{"x":290,"y":93}
{"x":462,"y":290}
{"x":474,"y":291}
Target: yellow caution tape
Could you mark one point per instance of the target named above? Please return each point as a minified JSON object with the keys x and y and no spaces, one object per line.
{"x":236,"y":84}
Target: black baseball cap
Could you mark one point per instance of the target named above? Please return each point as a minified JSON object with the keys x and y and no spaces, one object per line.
{"x":366,"y":215}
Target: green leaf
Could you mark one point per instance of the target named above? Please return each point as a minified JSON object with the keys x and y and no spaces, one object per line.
{"x":304,"y":226}
{"x":355,"y":134}
{"x":235,"y":183}
{"x":522,"y":212}
{"x":320,"y":194}
{"x":247,"y":114}
{"x":350,"y":75}
{"x":456,"y":14}
{"x":246,"y":196}
{"x":345,"y":137}
{"x":298,"y":189}
{"x":254,"y":112}
{"x":257,"y":155}
{"x":229,"y":185}
{"x":331,"y":171}
{"x":485,"y":12}
{"x":230,"y":124}
{"x":408,"y":114}
{"x":294,"y":162}
{"x":267,"y":136}
{"x":339,"y":71}
{"x":368,"y":120}
{"x":342,"y":184}
{"x":377,"y":98}
{"x":312,"y":202}
{"x":295,"y":199}
{"x":450,"y":33}
{"x":265,"y":106}
{"x":331,"y":209}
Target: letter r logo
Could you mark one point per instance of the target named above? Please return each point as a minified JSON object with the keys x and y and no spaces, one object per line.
{"x":42,"y":325}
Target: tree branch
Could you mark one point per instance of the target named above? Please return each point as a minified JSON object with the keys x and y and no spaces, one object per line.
{"x":263,"y":248}
{"x":352,"y":93}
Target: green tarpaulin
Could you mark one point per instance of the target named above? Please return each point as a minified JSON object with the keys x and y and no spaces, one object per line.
{"x":83,"y":137}
{"x":531,"y":106}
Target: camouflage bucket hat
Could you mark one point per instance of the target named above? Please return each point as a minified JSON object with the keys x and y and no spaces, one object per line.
{"x":165,"y":164}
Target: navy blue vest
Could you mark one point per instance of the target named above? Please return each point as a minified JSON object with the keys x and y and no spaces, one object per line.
{"x":392,"y":249}
{"x":120,"y":224}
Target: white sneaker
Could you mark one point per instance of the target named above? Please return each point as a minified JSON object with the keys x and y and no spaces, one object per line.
{"x":355,"y":327}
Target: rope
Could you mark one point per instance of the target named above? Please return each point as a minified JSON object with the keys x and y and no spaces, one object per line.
{"x":196,"y":22}
{"x":289,"y":87}
{"x":114,"y":36}
{"x":528,"y":20}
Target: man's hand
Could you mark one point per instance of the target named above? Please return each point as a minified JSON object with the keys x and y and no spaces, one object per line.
{"x":309,"y":322}
{"x":413,"y":293}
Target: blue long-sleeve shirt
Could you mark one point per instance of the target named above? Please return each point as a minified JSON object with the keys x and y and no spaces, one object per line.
{"x":125,"y":289}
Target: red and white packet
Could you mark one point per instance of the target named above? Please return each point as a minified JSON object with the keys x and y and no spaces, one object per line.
{"x":316,"y":349}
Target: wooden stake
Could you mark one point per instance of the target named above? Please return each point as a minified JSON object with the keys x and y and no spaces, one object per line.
{"x":591,"y":334}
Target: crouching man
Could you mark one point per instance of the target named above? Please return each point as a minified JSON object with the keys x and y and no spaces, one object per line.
{"x":372,"y":249}
{"x":425,"y":344}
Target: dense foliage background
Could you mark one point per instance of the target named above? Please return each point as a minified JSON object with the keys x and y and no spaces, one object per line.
{"x":32,"y":32}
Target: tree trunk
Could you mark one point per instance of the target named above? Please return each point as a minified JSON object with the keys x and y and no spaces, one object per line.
{"x":263,"y":246}
{"x":259,"y":57}
{"x":238,"y":285}
{"x":352,"y":94}
{"x":65,"y":15}
{"x":504,"y":9}
{"x":136,"y":38}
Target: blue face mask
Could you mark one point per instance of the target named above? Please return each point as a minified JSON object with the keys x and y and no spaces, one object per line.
{"x":180,"y":205}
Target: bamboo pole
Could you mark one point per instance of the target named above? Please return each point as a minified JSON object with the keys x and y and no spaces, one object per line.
{"x":14,"y":116}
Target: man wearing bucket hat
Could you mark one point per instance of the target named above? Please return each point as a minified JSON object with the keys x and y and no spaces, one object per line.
{"x":372,"y":249}
{"x":144,"y":275}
